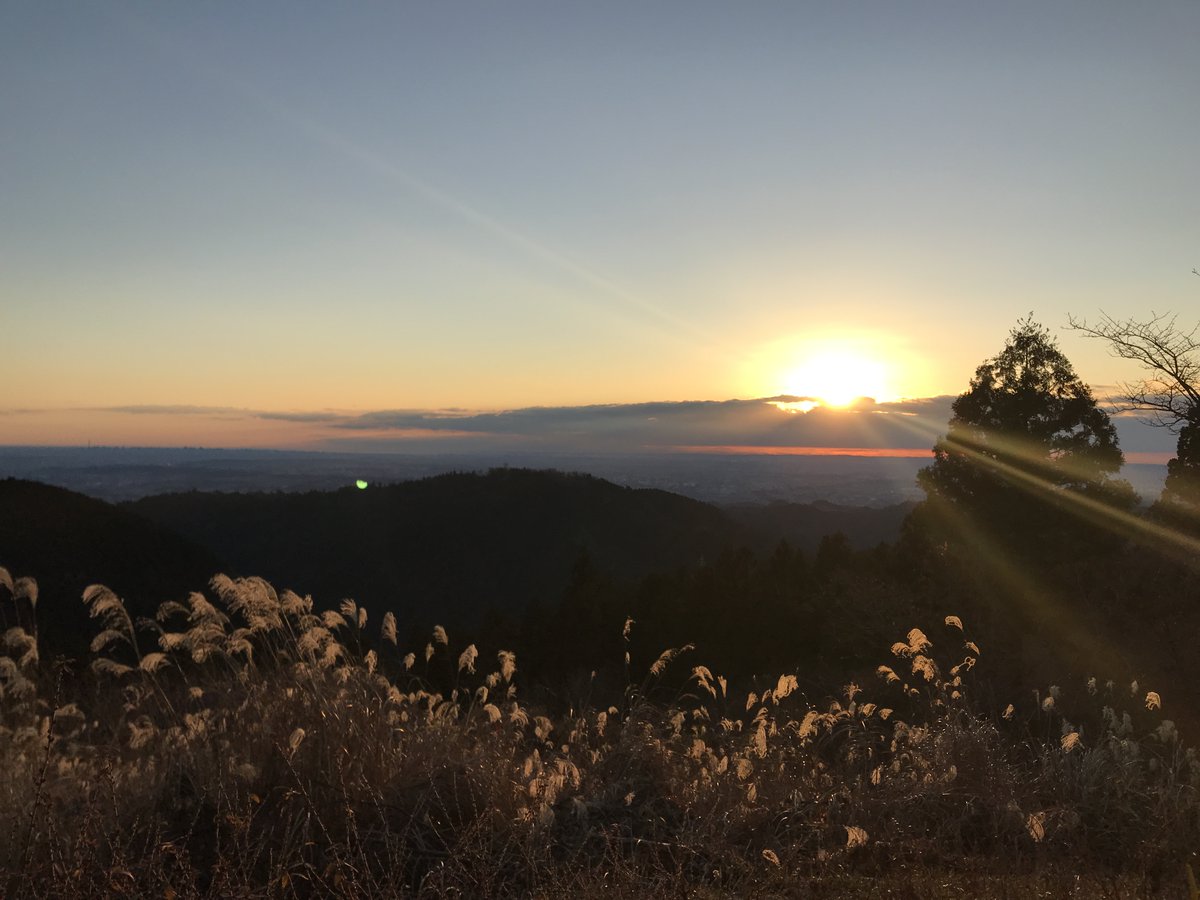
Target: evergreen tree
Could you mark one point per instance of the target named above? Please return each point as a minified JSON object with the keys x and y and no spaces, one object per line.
{"x":1181,"y":492}
{"x":1025,"y":436}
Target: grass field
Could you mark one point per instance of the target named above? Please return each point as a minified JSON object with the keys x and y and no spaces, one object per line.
{"x":245,"y":744}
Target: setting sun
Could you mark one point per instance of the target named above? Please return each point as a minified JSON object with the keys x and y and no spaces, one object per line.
{"x":721,"y":377}
{"x":838,"y":377}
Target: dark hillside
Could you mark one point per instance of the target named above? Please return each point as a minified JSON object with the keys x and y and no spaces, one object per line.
{"x":442,"y":549}
{"x":68,"y":541}
{"x":804,"y":524}
{"x":451,"y":546}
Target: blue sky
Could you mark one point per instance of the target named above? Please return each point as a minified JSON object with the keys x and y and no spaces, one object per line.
{"x":300,"y":207}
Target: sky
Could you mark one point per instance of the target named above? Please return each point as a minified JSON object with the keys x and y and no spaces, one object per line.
{"x":306,"y":224}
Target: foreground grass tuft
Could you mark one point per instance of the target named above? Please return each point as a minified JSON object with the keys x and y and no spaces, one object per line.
{"x":245,"y":744}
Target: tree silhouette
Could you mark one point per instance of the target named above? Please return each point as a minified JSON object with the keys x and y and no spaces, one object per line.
{"x":1026,"y":439}
{"x":1168,"y":397}
{"x":1180,"y":498}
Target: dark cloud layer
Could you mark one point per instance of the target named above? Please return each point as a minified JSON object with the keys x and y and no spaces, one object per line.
{"x":762,"y":422}
{"x":767,"y":423}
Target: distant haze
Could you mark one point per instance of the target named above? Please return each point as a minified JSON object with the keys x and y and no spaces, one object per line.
{"x":725,"y":478}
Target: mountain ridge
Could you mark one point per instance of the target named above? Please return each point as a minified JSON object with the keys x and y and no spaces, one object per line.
{"x":448,"y":547}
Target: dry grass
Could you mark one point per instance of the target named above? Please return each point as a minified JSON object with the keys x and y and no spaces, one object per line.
{"x":244,"y":744}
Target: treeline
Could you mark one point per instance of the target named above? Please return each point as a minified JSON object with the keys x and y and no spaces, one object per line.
{"x":1027,"y":531}
{"x":1125,"y":614}
{"x":1000,"y":701}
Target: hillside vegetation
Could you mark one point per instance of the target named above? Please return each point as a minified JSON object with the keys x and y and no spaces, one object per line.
{"x":1000,"y":702}
{"x":522,"y":537}
{"x":246,"y":743}
{"x":71,"y":540}
{"x":465,"y":543}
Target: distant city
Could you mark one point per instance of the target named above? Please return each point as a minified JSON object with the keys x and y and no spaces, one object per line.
{"x":119,"y":473}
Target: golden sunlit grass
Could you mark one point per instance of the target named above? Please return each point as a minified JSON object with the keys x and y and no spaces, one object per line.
{"x":251,"y":745}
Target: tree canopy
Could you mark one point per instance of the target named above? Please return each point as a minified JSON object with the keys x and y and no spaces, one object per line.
{"x":1026,"y":430}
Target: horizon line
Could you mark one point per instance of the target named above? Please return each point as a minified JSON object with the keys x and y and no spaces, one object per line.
{"x":1134,"y":457}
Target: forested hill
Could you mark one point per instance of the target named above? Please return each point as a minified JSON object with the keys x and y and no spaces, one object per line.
{"x":454,"y":545}
{"x":803,"y":525}
{"x":449,"y":546}
{"x":67,"y":541}
{"x":443,"y":549}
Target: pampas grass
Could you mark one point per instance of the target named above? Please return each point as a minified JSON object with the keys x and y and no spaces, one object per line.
{"x":264,"y":749}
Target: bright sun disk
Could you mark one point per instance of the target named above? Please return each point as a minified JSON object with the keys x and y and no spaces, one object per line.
{"x":838,"y":377}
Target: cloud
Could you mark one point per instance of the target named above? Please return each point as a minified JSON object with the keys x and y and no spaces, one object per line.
{"x":303,"y":417}
{"x":767,"y":422}
{"x":938,"y":407}
{"x":187,"y":409}
{"x":225,"y":413}
{"x":177,"y":409}
{"x":780,"y":421}
{"x":779,"y":424}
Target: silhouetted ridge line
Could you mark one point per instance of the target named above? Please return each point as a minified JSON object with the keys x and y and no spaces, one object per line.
{"x":68,"y":541}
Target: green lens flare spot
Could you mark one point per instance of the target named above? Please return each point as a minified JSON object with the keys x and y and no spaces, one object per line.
{"x":361,"y":485}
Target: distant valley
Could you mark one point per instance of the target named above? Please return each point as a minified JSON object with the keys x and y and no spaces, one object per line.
{"x":129,"y":473}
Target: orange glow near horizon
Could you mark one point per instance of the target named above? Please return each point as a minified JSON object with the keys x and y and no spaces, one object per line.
{"x":1149,"y":457}
{"x":77,"y":428}
{"x":233,"y":428}
{"x":760,"y":450}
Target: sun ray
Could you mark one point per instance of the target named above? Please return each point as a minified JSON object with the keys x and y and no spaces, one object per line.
{"x":1037,"y":600}
{"x":1117,"y":521}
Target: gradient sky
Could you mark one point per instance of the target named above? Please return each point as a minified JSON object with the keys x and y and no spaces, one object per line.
{"x":291,"y":207}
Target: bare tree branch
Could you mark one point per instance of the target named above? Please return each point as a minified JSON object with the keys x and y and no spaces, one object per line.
{"x":1170,"y":394}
